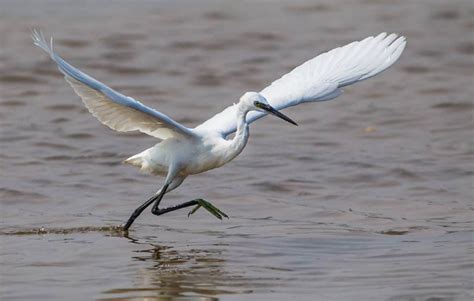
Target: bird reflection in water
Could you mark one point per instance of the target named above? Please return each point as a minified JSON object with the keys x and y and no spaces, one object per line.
{"x":169,"y":274}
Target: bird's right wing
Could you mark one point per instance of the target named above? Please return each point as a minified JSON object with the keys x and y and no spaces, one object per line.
{"x":320,"y":78}
{"x":115,"y":110}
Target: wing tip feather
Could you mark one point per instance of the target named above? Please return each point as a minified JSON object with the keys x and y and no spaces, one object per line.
{"x":39,"y":40}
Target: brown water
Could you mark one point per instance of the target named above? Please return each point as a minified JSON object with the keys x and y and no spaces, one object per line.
{"x":370,"y":198}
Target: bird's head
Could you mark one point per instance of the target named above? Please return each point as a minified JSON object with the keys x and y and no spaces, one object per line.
{"x":253,"y":101}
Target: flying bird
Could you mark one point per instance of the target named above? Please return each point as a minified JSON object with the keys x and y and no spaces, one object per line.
{"x":184,"y":151}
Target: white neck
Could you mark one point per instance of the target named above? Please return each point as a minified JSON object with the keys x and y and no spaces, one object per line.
{"x":238,"y":143}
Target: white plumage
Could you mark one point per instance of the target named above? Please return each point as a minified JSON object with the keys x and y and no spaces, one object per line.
{"x":321,"y":78}
{"x":115,"y":110}
{"x":184,"y":151}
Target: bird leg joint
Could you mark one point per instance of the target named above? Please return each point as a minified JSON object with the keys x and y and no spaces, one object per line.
{"x":198,"y":203}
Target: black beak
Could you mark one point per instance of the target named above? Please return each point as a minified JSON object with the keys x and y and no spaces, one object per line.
{"x":276,"y":113}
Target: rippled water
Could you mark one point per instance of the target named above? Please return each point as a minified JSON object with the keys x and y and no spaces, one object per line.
{"x":370,"y":198}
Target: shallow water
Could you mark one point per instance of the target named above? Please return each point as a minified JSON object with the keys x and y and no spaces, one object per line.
{"x":370,"y":198}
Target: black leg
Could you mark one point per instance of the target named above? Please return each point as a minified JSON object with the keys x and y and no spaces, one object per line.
{"x":198,"y":202}
{"x":158,"y":200}
{"x":173,"y":208}
{"x":139,"y":210}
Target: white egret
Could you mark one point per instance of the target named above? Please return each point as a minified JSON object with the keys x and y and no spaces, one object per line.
{"x":186,"y":151}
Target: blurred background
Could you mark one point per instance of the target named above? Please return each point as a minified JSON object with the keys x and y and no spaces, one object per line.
{"x":370,"y":198}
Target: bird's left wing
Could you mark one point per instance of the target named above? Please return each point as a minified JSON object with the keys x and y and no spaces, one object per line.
{"x":320,"y":78}
{"x":115,"y":110}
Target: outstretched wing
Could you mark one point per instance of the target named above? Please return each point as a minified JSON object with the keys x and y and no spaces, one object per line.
{"x":115,"y":110}
{"x":320,"y":78}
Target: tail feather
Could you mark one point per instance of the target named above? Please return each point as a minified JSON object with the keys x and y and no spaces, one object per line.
{"x":140,"y":160}
{"x":135,"y":160}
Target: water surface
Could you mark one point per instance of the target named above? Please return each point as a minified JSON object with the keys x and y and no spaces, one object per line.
{"x":370,"y":198}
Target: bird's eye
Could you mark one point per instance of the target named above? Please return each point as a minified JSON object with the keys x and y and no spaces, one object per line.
{"x":257,"y":104}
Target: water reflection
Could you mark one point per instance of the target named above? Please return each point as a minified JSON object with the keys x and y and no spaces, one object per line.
{"x":166,"y":273}
{"x":370,"y":199}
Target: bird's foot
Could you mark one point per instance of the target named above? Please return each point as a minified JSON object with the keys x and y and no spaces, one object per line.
{"x":209,"y":207}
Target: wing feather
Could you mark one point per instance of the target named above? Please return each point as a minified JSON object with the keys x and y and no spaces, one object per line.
{"x":320,"y":78}
{"x":115,"y":110}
